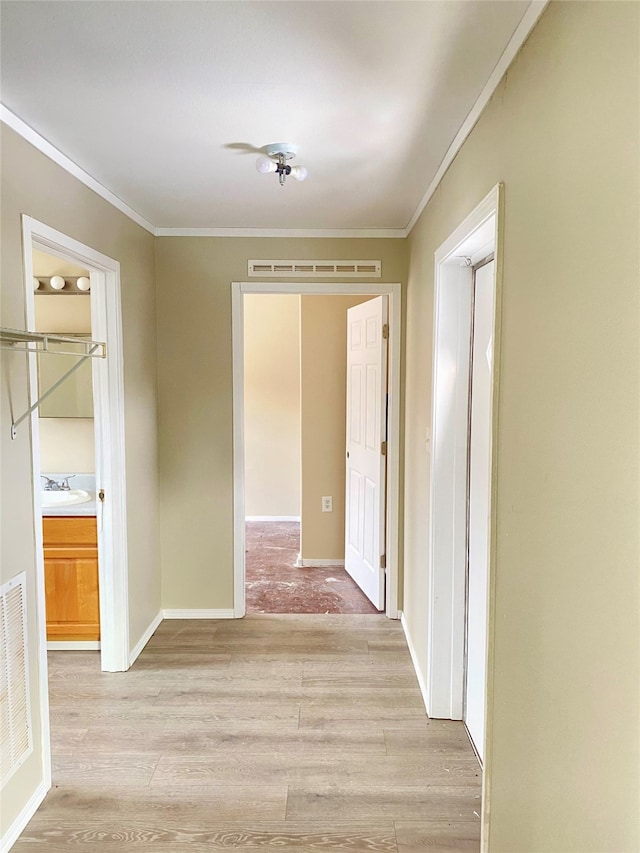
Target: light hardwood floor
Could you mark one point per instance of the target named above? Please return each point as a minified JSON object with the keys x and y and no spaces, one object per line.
{"x":279,"y":732}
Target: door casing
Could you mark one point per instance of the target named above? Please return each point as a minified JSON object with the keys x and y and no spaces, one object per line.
{"x":478,"y":235}
{"x":108,"y":392}
{"x":479,"y":460}
{"x":394,"y":291}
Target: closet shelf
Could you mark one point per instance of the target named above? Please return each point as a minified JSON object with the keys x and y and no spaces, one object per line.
{"x":21,"y":341}
{"x":39,"y":342}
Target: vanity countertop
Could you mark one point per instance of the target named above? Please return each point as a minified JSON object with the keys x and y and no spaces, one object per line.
{"x":86,"y":508}
{"x":86,"y":482}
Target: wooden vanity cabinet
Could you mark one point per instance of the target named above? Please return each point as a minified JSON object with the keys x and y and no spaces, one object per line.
{"x":71,"y":577}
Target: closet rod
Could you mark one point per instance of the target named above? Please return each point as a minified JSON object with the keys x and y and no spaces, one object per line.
{"x":11,"y":338}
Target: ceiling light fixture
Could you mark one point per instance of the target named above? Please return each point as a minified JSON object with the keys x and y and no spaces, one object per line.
{"x":281,"y":151}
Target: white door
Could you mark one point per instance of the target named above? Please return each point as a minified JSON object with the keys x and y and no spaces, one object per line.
{"x":366,"y":462}
{"x":479,"y":503}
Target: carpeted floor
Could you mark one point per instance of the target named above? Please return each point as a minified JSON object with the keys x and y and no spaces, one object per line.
{"x":275,"y":585}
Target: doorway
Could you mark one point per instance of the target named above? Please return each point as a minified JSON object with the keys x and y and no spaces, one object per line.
{"x":462,"y":496}
{"x":363,"y":292}
{"x":295,"y":388}
{"x":67,"y":464}
{"x":108,"y":398}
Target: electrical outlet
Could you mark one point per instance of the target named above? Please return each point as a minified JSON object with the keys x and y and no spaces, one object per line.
{"x":327,"y":504}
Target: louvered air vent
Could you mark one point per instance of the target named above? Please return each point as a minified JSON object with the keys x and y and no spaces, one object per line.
{"x":15,"y":711}
{"x":315,"y":269}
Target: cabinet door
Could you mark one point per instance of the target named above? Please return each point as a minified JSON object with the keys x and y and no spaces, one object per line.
{"x":71,"y":584}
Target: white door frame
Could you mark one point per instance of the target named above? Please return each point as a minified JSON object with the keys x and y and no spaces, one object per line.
{"x":108,"y":392}
{"x":394,"y":291}
{"x":475,"y":238}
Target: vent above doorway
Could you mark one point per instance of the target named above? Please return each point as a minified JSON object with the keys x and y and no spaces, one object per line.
{"x":315,"y":269}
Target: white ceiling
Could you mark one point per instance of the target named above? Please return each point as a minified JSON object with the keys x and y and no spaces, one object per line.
{"x":150,"y":97}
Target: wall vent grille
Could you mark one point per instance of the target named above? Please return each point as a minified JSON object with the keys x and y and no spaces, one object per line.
{"x":315,"y":269}
{"x":15,"y":711}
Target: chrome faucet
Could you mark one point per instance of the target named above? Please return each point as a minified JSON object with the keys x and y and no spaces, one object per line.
{"x":55,"y":485}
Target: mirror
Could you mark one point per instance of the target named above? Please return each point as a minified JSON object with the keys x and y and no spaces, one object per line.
{"x":74,"y":398}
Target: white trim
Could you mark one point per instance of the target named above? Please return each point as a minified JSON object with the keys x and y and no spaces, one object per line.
{"x":449,"y":451}
{"x":326,"y":233}
{"x":108,"y":392}
{"x":73,"y":645}
{"x":484,"y":211}
{"x":520,"y":35}
{"x":347,"y":288}
{"x":53,"y":153}
{"x":394,"y":291}
{"x":32,"y":805}
{"x":41,"y":653}
{"x":239,"y":534}
{"x":144,"y":639}
{"x":480,"y":232}
{"x":272,"y":518}
{"x":414,"y":659}
{"x":198,"y":614}
{"x":312,"y":563}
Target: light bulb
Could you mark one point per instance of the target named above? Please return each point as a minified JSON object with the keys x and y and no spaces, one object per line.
{"x":36,"y":284}
{"x":83,"y":283}
{"x":57,"y":282}
{"x":265,"y":165}
{"x":299,"y":173}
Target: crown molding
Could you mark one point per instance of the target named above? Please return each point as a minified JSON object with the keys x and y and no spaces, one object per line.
{"x":385,"y":233}
{"x":50,"y":151}
{"x":520,"y":35}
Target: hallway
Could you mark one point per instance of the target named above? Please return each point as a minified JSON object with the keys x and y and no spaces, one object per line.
{"x":296,"y":732}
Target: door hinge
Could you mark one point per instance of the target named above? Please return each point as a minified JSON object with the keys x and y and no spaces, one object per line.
{"x":383,"y":561}
{"x":383,"y":448}
{"x":385,"y":331}
{"x":101,"y":495}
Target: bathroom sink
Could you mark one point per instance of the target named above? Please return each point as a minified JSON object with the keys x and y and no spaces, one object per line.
{"x":64,"y":498}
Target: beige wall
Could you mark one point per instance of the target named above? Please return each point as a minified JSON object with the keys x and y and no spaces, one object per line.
{"x":45,"y":264}
{"x":194,"y":276}
{"x":324,"y":379}
{"x":63,"y":314}
{"x":562,"y":133}
{"x":66,"y":444}
{"x":32,"y":184}
{"x":272,"y":404}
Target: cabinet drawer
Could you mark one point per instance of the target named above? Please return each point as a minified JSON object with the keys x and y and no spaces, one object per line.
{"x":66,"y":531}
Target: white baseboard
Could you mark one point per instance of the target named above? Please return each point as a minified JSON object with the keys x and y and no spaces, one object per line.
{"x":272,"y":518}
{"x":17,"y":827}
{"x":414,"y":660}
{"x":199,"y":614}
{"x":320,"y":563}
{"x":73,"y":645}
{"x":144,"y":639}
